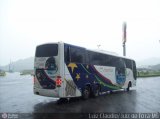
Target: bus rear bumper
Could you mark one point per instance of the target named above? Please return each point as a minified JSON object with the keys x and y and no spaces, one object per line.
{"x":46,"y":92}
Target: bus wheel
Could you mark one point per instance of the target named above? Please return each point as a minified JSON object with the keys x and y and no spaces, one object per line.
{"x":129,"y":85}
{"x":86,"y":92}
{"x":62,"y":100}
{"x":96,"y":91}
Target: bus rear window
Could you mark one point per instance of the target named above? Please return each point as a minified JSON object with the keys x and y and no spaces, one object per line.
{"x":47,"y":50}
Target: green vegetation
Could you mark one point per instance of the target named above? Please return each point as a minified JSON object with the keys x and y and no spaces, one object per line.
{"x":148,"y":73}
{"x":26,"y":72}
{"x":2,"y":73}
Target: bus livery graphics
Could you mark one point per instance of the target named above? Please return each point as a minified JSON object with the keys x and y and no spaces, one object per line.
{"x":63,"y":70}
{"x":87,"y":74}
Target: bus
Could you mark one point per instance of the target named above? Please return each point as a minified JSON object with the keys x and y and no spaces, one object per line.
{"x":64,"y":71}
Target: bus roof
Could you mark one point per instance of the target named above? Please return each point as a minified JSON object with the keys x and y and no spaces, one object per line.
{"x":109,"y":53}
{"x":101,"y":51}
{"x":96,"y":50}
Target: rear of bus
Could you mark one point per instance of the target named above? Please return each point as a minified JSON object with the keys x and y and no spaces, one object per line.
{"x":47,"y":78}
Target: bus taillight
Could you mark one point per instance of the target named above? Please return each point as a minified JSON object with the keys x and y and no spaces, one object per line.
{"x":58,"y":81}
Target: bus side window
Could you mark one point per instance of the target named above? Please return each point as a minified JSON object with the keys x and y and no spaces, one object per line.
{"x":96,"y":58}
{"x":77,"y":54}
{"x":66,"y":53}
{"x":120,"y":65}
{"x":128,"y":63}
{"x":111,"y":61}
{"x":134,"y":69}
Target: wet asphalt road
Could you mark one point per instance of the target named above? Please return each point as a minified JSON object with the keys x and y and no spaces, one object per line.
{"x":16,"y":96}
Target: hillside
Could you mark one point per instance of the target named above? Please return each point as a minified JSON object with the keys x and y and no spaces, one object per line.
{"x":155,"y":67}
{"x":28,"y":64}
{"x":148,"y":62}
{"x":22,"y":64}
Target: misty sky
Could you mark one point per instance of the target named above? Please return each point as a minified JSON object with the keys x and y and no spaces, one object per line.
{"x":27,"y":23}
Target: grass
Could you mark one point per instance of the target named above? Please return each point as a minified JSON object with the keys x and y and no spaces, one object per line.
{"x":148,"y":74}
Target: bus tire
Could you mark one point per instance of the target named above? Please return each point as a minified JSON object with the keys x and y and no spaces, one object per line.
{"x":129,"y":85}
{"x":86,"y":92}
{"x":62,"y":100}
{"x":96,"y":91}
